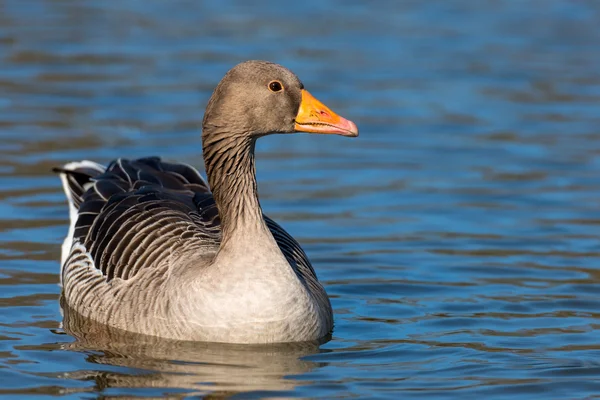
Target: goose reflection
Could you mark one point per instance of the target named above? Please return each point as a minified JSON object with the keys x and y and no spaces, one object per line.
{"x":200,"y":367}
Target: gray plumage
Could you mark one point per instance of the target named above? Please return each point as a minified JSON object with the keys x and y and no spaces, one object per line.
{"x":153,"y":250}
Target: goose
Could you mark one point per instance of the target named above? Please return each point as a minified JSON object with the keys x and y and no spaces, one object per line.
{"x":154,"y":249}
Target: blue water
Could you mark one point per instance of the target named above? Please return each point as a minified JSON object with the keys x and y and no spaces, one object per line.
{"x":457,"y":236}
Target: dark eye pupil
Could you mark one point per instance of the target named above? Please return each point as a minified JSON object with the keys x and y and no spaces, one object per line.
{"x":275,"y":86}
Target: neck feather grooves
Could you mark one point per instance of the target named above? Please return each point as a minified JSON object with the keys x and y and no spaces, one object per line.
{"x":229,"y":163}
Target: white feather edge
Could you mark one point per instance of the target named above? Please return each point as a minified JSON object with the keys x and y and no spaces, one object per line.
{"x":73,"y":211}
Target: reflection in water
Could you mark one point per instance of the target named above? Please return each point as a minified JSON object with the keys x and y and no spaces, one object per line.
{"x":202,"y":367}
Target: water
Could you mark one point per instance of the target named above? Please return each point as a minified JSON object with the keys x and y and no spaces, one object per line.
{"x":457,"y":236}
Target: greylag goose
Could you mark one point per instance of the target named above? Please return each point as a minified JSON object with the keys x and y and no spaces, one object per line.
{"x":153,"y":249}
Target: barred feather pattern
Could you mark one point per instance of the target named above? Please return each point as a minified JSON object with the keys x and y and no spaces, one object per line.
{"x":138,"y":225}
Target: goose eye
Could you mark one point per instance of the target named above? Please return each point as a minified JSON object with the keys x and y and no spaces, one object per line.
{"x":275,"y":86}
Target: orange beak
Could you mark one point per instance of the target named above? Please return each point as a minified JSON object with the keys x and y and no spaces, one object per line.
{"x":315,"y":117}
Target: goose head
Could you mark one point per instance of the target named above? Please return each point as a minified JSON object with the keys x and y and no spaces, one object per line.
{"x":257,"y":98}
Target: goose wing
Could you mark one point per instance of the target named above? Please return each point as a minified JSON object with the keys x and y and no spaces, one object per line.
{"x":132,"y":215}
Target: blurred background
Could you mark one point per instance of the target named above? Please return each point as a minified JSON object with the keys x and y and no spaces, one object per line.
{"x":457,"y":236}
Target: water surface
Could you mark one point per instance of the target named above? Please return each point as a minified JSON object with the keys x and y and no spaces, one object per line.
{"x":457,"y":236}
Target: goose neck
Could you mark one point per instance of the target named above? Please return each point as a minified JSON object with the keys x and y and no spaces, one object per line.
{"x":229,"y":162}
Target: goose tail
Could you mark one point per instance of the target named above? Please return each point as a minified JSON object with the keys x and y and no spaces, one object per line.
{"x":76,"y":178}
